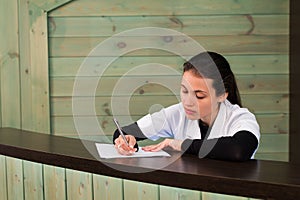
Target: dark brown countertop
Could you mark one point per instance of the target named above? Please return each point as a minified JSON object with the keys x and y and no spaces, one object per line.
{"x":255,"y":178}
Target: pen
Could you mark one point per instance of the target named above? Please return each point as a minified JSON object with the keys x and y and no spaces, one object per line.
{"x":120,"y":131}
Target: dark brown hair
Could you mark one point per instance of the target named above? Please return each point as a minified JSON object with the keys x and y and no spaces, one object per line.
{"x":214,"y":66}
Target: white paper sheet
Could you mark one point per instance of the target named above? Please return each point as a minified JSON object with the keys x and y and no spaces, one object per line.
{"x":109,"y":151}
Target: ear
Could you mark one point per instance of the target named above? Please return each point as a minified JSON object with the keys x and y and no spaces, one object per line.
{"x":223,"y":97}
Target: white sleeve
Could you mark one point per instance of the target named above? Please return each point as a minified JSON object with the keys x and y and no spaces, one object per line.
{"x":246,"y":122}
{"x":157,"y":125}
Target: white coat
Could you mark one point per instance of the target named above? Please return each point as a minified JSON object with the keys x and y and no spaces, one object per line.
{"x":172,"y":122}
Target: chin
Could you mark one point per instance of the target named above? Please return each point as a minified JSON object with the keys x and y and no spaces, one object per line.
{"x":192,"y":117}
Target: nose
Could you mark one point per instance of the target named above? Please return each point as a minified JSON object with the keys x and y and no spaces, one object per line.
{"x":188,"y":101}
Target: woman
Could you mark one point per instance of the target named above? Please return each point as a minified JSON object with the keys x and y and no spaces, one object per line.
{"x":208,"y":122}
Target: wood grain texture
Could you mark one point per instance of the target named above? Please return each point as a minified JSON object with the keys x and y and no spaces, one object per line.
{"x":54,"y":183}
{"x":49,"y":4}
{"x":240,"y":64}
{"x":34,"y":68}
{"x":178,"y":193}
{"x":3,"y":178}
{"x":244,"y":44}
{"x":169,"y":7}
{"x":270,"y":124}
{"x":158,"y":85}
{"x":107,"y":188}
{"x":213,"y":196}
{"x":15,"y":177}
{"x":195,"y":25}
{"x":9,"y":65}
{"x":39,"y":70}
{"x":79,"y":185}
{"x":137,"y":190}
{"x":33,"y":180}
{"x":140,"y":104}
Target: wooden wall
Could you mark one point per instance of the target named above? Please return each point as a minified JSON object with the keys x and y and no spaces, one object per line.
{"x":252,"y":35}
{"x":43,"y":46}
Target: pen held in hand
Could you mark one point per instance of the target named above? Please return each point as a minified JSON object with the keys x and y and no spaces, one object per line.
{"x":120,"y":131}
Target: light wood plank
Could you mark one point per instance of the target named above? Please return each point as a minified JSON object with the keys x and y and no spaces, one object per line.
{"x":240,"y":64}
{"x":274,"y":143}
{"x":25,"y":70}
{"x":134,"y":190}
{"x":274,"y":123}
{"x":278,"y":156}
{"x":9,"y":65}
{"x":3,"y":178}
{"x":33,"y":180}
{"x":15,"y":184}
{"x":54,"y":183}
{"x":34,"y":68}
{"x":189,"y":25}
{"x":244,"y":44}
{"x":79,"y":185}
{"x":214,"y":196}
{"x":39,"y":70}
{"x":49,"y":4}
{"x":141,"y":105}
{"x":107,"y":188}
{"x":170,"y":7}
{"x":172,"y":193}
{"x":153,"y":85}
{"x":270,"y":124}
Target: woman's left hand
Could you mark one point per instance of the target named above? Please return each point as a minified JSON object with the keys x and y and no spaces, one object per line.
{"x":174,"y":144}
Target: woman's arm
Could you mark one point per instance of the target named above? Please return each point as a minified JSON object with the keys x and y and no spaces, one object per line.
{"x":239,"y":147}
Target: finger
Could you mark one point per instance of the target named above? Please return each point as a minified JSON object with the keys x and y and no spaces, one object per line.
{"x":122,"y":151}
{"x":127,"y":148}
{"x":153,"y":147}
{"x":131,"y":140}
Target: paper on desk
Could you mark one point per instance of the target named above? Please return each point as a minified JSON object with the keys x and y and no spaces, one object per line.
{"x":109,"y":151}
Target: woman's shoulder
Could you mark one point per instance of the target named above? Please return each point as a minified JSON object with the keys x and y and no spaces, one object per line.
{"x":236,"y":109}
{"x":241,"y":119}
{"x":235,"y":113}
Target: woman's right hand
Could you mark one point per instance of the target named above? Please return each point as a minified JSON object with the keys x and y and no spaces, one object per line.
{"x":123,"y":148}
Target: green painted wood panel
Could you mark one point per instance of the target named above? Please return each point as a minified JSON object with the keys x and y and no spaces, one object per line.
{"x":278,"y":156}
{"x":178,"y":193}
{"x":9,"y":65}
{"x":240,"y":64}
{"x":79,"y":185}
{"x":140,"y":191}
{"x":170,"y":7}
{"x":33,"y":180}
{"x":49,"y":5}
{"x":54,"y":183}
{"x":190,"y":25}
{"x":39,"y":71}
{"x":3,"y":179}
{"x":146,"y":85}
{"x":15,"y":183}
{"x":214,"y":196}
{"x":25,"y":78}
{"x":270,"y":123}
{"x":107,"y":188}
{"x":244,"y":44}
{"x":34,"y":68}
{"x":141,"y":104}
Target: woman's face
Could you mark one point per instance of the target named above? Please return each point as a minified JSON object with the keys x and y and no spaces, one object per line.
{"x":199,"y":98}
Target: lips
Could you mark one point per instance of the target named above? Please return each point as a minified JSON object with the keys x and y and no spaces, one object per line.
{"x":189,"y":112}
